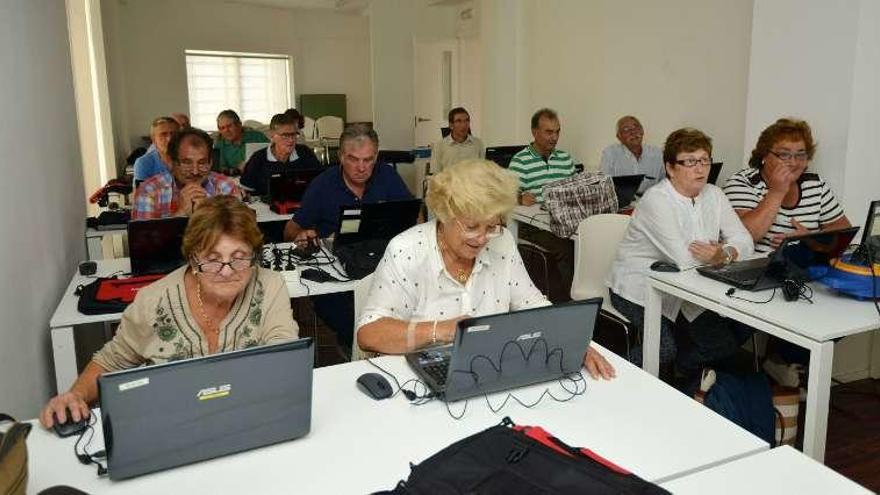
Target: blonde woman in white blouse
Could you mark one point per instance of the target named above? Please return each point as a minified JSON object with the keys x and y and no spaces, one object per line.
{"x":462,"y":264}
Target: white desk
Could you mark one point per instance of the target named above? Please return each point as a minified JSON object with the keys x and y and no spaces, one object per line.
{"x":530,"y":215}
{"x":812,"y":326}
{"x":67,"y":315}
{"x":780,"y":471}
{"x":94,"y":237}
{"x":358,"y":445}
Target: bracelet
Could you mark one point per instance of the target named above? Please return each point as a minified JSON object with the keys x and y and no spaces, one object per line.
{"x":434,"y":333}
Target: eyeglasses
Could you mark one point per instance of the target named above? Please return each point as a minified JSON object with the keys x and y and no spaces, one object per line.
{"x":490,"y":231}
{"x":194,"y":166}
{"x":786,"y":156}
{"x":236,"y":264}
{"x":289,"y":136}
{"x":630,"y":130}
{"x":693,"y":162}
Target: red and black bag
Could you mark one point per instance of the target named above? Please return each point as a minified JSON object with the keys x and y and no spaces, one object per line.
{"x":111,"y":295}
{"x":519,"y":459}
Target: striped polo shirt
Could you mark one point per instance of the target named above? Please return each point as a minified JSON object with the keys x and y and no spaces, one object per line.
{"x":816,"y":207}
{"x":533,"y":172}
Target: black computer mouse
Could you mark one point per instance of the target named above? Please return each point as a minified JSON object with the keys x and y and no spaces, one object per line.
{"x":375,"y":386}
{"x":70,"y":427}
{"x":664,"y":266}
{"x":315,"y":275}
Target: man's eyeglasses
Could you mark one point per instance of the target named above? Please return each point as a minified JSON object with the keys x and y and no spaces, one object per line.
{"x":490,"y":231}
{"x":287,"y":136}
{"x":693,"y":162}
{"x":786,"y":156}
{"x":236,"y":264}
{"x":196,"y":166}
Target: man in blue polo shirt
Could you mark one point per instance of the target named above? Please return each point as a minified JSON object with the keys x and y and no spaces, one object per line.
{"x":357,"y":180}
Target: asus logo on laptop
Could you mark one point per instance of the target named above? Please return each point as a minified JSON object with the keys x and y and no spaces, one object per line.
{"x":214,"y":392}
{"x":528,"y":336}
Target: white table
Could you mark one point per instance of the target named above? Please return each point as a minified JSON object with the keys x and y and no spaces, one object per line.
{"x":780,"y":471}
{"x":94,"y":237}
{"x":530,"y":215}
{"x":358,"y":445}
{"x":812,"y":326}
{"x":67,"y":316}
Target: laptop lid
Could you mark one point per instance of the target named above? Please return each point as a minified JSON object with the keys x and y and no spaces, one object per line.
{"x":510,"y":350}
{"x":291,"y":184}
{"x":714,"y":172}
{"x":814,"y":249}
{"x":251,"y":148}
{"x":871,"y":232}
{"x":163,"y":416}
{"x":626,"y":187}
{"x":376,"y":221}
{"x":154,"y":246}
{"x":502,"y":154}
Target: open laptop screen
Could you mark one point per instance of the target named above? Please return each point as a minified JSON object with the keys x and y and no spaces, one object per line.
{"x":376,"y":221}
{"x":155,"y":245}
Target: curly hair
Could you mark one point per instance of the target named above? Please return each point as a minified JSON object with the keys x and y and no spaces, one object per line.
{"x":784,"y":129}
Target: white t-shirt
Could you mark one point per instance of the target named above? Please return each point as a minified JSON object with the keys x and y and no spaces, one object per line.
{"x":617,"y":159}
{"x":663,"y":225}
{"x":411,"y":282}
{"x":816,"y":207}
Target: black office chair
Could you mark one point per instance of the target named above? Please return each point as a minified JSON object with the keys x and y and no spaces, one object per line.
{"x":394,"y":157}
{"x":502,"y":154}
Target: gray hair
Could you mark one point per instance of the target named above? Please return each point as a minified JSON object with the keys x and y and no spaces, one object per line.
{"x":359,"y":133}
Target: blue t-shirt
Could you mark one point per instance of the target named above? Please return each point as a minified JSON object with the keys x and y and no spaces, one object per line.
{"x":148,"y":165}
{"x":327,"y":193}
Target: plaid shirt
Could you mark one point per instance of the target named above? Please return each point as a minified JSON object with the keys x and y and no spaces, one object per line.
{"x":157,"y":197}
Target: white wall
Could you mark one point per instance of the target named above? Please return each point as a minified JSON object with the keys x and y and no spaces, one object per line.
{"x":41,"y":194}
{"x":146,"y":40}
{"x":673,"y":63}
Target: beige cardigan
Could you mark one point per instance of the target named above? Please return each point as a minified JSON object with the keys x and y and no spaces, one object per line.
{"x":159,"y":326}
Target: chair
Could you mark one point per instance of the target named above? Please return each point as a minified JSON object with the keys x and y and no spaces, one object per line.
{"x":308,"y":130}
{"x":595,"y":249}
{"x":328,"y":129}
{"x":361,"y":289}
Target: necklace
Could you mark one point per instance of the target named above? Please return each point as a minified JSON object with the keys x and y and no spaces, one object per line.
{"x":204,"y":313}
{"x":461,"y":274}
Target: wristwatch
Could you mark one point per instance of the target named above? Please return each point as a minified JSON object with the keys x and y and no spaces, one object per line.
{"x":729,"y":252}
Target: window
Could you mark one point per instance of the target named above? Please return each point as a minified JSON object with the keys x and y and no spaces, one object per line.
{"x":255,"y":85}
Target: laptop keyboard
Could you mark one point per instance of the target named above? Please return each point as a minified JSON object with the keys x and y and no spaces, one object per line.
{"x":436,"y":365}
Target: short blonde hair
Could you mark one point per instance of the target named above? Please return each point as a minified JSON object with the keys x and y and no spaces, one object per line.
{"x":476,"y":189}
{"x":218,"y":216}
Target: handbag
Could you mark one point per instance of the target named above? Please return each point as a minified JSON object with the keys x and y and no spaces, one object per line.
{"x":575,"y":198}
{"x":13,"y":457}
{"x":507,"y":458}
{"x":111,"y":295}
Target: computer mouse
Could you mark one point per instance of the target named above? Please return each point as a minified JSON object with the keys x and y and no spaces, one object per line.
{"x":664,"y":266}
{"x":315,"y":275}
{"x":69,"y":428}
{"x":375,"y":386}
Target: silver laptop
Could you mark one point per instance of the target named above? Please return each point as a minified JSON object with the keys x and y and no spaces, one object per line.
{"x":163,"y":416}
{"x":509,"y":350}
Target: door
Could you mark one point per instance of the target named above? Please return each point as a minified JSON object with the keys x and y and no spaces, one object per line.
{"x":436,"y":87}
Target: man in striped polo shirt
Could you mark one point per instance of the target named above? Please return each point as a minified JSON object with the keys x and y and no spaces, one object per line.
{"x":540,"y":162}
{"x":536,"y":165}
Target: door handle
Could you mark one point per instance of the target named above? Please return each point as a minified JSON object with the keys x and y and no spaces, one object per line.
{"x":418,"y":120}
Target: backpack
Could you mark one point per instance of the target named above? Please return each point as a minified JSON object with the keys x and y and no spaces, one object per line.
{"x":13,"y":457}
{"x":507,"y":458}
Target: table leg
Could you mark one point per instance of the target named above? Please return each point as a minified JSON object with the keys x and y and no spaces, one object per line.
{"x":651,"y":338}
{"x":64,"y":355}
{"x":94,"y":248}
{"x":818,"y":397}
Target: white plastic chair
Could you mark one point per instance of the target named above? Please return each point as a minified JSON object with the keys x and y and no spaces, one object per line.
{"x":595,"y":249}
{"x":308,"y":130}
{"x":328,"y":127}
{"x":361,"y":289}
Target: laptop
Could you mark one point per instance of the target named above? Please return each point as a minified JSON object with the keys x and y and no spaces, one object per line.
{"x":869,"y":247}
{"x":365,"y":230}
{"x":168,"y":415}
{"x":626,"y":187}
{"x":509,"y":350}
{"x":502,"y":154}
{"x":285,"y":190}
{"x":154,"y":246}
{"x":714,"y":172}
{"x":790,"y":261}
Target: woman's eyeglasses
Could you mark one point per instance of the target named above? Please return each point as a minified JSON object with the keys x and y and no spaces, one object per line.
{"x":236,"y":264}
{"x":490,"y":231}
{"x":786,"y":156}
{"x":693,"y":162}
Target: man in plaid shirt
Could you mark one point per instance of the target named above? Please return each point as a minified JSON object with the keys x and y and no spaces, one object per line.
{"x":179,"y":191}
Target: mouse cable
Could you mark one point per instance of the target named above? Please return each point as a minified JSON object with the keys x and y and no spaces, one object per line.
{"x":410,"y":394}
{"x":730,"y":293}
{"x":87,"y":457}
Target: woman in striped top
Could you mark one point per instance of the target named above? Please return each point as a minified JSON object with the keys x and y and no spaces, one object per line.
{"x":777,"y":196}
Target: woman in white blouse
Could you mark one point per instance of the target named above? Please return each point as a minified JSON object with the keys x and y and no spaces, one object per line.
{"x":462,"y":264}
{"x":685,"y":221}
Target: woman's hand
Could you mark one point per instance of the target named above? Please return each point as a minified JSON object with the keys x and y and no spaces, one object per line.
{"x":597,"y":366}
{"x":60,"y":405}
{"x":709,"y":253}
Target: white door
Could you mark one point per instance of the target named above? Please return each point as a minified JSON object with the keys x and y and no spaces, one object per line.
{"x":436,"y":87}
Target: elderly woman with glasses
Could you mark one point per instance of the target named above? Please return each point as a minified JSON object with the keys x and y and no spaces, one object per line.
{"x":686,"y":222}
{"x":462,"y":264}
{"x":776,"y":196}
{"x":220,"y":301}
